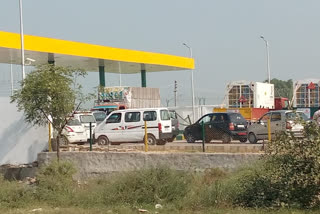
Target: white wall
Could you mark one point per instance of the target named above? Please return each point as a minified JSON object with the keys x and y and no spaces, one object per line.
{"x":20,"y":142}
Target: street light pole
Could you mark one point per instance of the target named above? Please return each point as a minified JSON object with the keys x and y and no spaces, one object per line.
{"x":268,"y":62}
{"x":192,"y":83}
{"x":22,"y":40}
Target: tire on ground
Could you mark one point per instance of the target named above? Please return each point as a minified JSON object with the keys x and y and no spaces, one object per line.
{"x":103,"y":140}
{"x":151,"y":139}
{"x":252,"y":138}
{"x":226,"y":138}
{"x":189,"y":138}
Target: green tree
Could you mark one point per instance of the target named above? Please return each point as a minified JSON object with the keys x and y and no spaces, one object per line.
{"x":50,"y":93}
{"x":282,"y":88}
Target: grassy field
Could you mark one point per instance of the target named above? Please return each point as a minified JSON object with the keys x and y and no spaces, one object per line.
{"x":127,"y":210}
{"x":213,"y":191}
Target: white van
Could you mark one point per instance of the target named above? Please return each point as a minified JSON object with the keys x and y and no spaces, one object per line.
{"x":85,"y":119}
{"x":128,"y":126}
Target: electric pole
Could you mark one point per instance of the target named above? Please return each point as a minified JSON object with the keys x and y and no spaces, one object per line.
{"x":175,"y":93}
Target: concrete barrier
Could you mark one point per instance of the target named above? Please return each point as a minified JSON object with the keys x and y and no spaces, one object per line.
{"x":20,"y":142}
{"x":102,"y":163}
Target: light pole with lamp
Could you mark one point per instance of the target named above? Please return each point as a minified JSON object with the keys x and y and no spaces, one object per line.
{"x":192,"y":83}
{"x":22,"y":40}
{"x":268,"y":62}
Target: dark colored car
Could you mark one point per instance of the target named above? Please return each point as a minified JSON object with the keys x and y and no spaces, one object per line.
{"x":218,"y":126}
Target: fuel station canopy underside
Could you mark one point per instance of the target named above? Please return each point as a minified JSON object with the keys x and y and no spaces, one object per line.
{"x":87,"y":56}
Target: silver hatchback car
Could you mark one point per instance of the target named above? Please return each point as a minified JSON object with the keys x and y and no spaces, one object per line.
{"x":282,"y":120}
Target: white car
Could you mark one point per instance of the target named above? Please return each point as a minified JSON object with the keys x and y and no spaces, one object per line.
{"x":281,"y":120}
{"x":128,"y":126}
{"x":73,"y":132}
{"x":85,"y":119}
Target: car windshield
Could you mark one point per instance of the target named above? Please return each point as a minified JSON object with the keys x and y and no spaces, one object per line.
{"x":109,"y":110}
{"x":99,"y":116}
{"x":164,"y":114}
{"x":87,"y":119}
{"x":296,"y":116}
{"x":236,"y":117}
{"x":74,"y":122}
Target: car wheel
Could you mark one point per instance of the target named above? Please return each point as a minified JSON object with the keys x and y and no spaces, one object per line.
{"x":63,"y":140}
{"x":189,"y":137}
{"x":252,"y":138}
{"x":103,"y":140}
{"x":226,"y":138}
{"x":243,"y":140}
{"x":151,"y":140}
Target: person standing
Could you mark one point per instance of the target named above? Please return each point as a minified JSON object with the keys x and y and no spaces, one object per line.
{"x":316,"y":116}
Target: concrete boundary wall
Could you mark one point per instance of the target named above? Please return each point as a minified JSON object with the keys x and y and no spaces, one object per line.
{"x":20,"y":142}
{"x":102,"y":163}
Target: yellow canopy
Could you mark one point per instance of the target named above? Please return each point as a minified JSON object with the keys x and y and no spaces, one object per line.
{"x":87,"y":56}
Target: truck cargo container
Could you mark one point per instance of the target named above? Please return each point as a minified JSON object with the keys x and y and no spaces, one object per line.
{"x":241,"y":94}
{"x":121,"y":97}
{"x":251,"y":99}
{"x":306,"y":95}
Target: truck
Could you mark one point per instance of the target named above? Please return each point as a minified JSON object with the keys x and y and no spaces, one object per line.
{"x":251,"y":99}
{"x":306,"y":96}
{"x":124,"y":97}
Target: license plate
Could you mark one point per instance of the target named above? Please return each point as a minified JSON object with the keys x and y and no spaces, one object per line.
{"x":240,"y":126}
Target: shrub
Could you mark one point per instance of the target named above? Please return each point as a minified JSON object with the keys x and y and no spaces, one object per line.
{"x":208,"y":189}
{"x":55,"y":184}
{"x":14,"y":194}
{"x":150,"y":186}
{"x":289,"y":175}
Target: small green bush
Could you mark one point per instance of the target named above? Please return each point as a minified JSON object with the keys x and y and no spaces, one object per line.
{"x":55,"y":184}
{"x":14,"y":194}
{"x":289,"y":175}
{"x":150,"y":186}
{"x":208,"y":189}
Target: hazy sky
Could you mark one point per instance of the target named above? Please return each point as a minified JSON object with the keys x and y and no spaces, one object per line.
{"x":224,"y":36}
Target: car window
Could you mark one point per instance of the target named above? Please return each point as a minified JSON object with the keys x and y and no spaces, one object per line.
{"x":276,"y":116}
{"x":205,"y":119}
{"x":219,"y":118}
{"x":109,"y":110}
{"x":303,"y":116}
{"x":164,"y":115}
{"x":150,"y":115}
{"x":114,"y":118}
{"x":87,"y":118}
{"x":99,"y":116}
{"x":74,"y":122}
{"x":265,"y":118}
{"x":235,"y":117}
{"x":296,"y":116}
{"x":132,"y":117}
